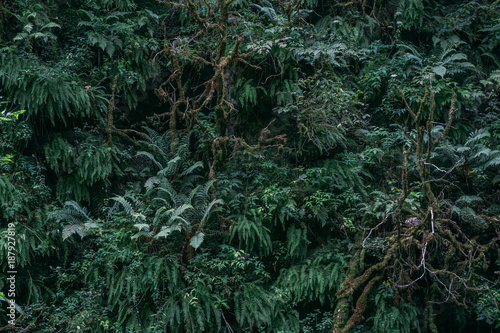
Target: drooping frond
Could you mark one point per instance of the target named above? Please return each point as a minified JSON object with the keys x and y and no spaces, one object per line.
{"x":94,"y":163}
{"x":128,"y":203}
{"x":7,"y":195}
{"x":76,"y":218}
{"x":346,"y":175}
{"x":46,"y":92}
{"x":477,"y":153}
{"x":252,"y":306}
{"x":60,"y":154}
{"x":316,"y":279}
{"x":80,"y":166}
{"x":251,"y":233}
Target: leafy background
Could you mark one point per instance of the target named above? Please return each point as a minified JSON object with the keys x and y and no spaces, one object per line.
{"x":251,"y":166}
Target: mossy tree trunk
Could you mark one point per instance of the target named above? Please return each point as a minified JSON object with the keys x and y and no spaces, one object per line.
{"x":416,"y":255}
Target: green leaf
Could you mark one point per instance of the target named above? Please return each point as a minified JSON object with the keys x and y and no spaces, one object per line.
{"x":51,"y":25}
{"x":142,"y":226}
{"x":91,"y":225}
{"x":439,"y":70}
{"x":165,"y":231}
{"x":196,"y":240}
{"x":7,"y":158}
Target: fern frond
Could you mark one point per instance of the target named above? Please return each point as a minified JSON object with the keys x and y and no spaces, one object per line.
{"x":151,"y":157}
{"x":494,"y":161}
{"x":127,"y":202}
{"x":60,"y":154}
{"x":189,"y":171}
{"x":71,"y":187}
{"x":315,"y":280}
{"x":7,"y":195}
{"x":469,"y":199}
{"x":77,"y":219}
{"x":171,"y":168}
{"x":251,"y":233}
{"x":297,"y":242}
{"x":252,"y":306}
{"x":94,"y":163}
{"x":477,"y":135}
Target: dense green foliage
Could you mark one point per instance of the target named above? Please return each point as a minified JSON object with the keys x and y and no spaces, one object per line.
{"x":251,"y":165}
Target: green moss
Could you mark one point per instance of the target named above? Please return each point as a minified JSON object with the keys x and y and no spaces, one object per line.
{"x":344,"y":303}
{"x":431,"y":323}
{"x":360,"y":306}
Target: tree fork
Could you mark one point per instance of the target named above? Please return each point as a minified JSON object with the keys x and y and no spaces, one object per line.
{"x":341,"y":312}
{"x":360,"y":305}
{"x":353,"y":282}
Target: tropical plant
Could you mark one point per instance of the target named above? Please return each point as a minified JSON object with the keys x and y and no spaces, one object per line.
{"x":250,"y":166}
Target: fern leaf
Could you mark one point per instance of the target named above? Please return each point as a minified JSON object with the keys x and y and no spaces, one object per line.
{"x":197,"y":239}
